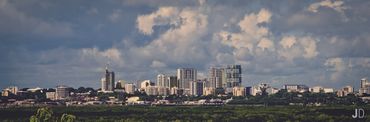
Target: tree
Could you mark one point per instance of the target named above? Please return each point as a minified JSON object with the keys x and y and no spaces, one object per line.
{"x":67,"y":118}
{"x":46,"y":115}
{"x":42,"y":115}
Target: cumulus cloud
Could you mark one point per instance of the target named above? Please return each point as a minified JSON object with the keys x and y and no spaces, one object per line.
{"x":252,"y":34}
{"x":178,"y":44}
{"x":163,"y":16}
{"x":157,"y":64}
{"x":112,"y":54}
{"x":266,"y":44}
{"x":288,"y":41}
{"x":337,"y":66}
{"x":337,"y":5}
{"x":294,"y":47}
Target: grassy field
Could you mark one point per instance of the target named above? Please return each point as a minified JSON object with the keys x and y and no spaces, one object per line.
{"x":195,"y":113}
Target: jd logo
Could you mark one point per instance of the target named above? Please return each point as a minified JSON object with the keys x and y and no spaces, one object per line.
{"x":359,"y":113}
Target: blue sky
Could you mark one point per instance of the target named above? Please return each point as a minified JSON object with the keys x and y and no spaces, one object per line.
{"x":315,"y":42}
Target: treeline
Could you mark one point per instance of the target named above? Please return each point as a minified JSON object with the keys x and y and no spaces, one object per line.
{"x":200,"y":113}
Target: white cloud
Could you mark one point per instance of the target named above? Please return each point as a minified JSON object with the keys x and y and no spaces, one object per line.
{"x":337,"y":66}
{"x":112,"y":54}
{"x":163,"y":16}
{"x":288,"y":41}
{"x":293,"y":45}
{"x":266,"y":44}
{"x":157,"y":64}
{"x":251,"y":35}
{"x":337,"y":5}
{"x":309,"y":45}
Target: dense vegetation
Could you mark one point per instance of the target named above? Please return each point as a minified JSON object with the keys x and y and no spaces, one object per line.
{"x":186,"y":113}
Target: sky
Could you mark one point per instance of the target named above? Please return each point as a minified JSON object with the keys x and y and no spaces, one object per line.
{"x":314,"y":42}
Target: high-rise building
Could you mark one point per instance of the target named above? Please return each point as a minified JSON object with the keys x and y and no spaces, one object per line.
{"x":130,"y":88}
{"x":172,"y":81}
{"x":61,"y":92}
{"x":185,"y":76}
{"x":215,"y":77}
{"x":108,"y":81}
{"x":196,"y":87}
{"x":162,"y":81}
{"x":232,"y":76}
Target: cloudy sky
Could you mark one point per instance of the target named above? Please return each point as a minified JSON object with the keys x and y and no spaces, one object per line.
{"x":312,"y":42}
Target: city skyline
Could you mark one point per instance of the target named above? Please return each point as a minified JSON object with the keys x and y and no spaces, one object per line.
{"x":317,"y":43}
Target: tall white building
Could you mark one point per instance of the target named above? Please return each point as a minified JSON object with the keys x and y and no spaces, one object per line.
{"x":185,"y":76}
{"x":215,"y":77}
{"x":162,"y":81}
{"x":130,"y":88}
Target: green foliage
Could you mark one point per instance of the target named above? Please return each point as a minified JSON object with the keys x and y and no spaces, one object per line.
{"x":42,"y":115}
{"x":46,"y":115}
{"x":67,"y":118}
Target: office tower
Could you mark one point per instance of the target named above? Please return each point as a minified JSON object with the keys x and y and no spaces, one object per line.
{"x":162,"y":81}
{"x":61,"y":92}
{"x":172,"y":81}
{"x":196,"y":87}
{"x":215,"y":77}
{"x":108,"y":81}
{"x":130,"y":88}
{"x":233,"y":76}
{"x":185,"y":76}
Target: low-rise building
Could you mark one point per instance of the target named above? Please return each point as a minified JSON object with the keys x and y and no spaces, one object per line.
{"x":209,"y":91}
{"x":239,"y":91}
